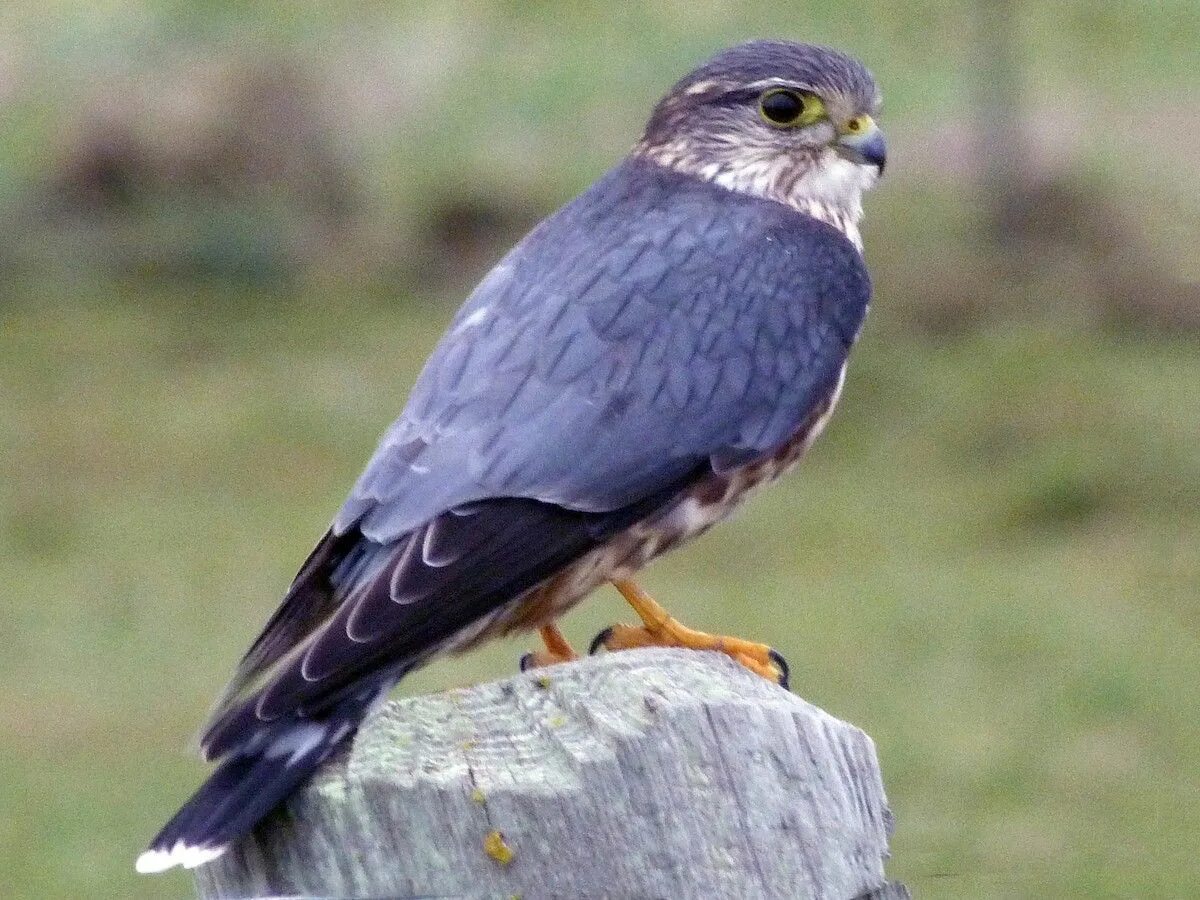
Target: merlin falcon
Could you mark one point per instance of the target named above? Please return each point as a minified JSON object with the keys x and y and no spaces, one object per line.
{"x":664,"y":343}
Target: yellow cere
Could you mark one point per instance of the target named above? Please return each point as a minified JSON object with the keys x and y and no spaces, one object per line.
{"x":495,"y":847}
{"x":858,"y":125}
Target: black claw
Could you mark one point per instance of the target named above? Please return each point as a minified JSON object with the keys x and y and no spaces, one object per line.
{"x":526,"y":661}
{"x":599,"y":641}
{"x":785,"y":673}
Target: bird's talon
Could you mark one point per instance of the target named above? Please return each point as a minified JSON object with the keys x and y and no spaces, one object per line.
{"x":758,"y":658}
{"x":785,"y":671}
{"x":558,"y":650}
{"x":600,"y":641}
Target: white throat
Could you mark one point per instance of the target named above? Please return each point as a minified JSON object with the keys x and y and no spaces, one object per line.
{"x":831,"y":190}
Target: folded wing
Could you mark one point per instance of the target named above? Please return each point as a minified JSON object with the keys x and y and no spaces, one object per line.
{"x":652,"y":328}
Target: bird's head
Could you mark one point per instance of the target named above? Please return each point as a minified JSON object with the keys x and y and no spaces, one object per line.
{"x":789,"y":122}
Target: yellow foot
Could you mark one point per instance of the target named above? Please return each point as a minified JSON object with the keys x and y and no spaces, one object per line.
{"x":659,"y":629}
{"x":558,"y":650}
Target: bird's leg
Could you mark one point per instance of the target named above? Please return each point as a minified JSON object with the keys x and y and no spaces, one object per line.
{"x":558,"y":650}
{"x":659,"y":629}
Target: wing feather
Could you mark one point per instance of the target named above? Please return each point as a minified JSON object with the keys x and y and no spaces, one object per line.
{"x":653,"y":329}
{"x":406,"y":609}
{"x":635,"y":328}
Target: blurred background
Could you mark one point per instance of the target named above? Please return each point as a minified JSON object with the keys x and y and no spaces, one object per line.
{"x":229,"y":234}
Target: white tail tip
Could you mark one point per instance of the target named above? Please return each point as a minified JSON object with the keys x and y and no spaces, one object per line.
{"x":180,"y":855}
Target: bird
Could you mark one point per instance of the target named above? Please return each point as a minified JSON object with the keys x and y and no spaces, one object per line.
{"x":644,"y":358}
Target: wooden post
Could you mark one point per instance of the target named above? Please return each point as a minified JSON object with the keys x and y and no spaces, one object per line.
{"x":644,"y":773}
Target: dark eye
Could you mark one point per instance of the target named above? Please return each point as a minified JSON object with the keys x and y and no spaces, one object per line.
{"x":780,"y":106}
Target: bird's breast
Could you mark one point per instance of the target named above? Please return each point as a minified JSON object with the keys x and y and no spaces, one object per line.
{"x":697,"y":509}
{"x":713,"y":498}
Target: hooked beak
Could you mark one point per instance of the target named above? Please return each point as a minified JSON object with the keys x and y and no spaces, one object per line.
{"x":861,"y":141}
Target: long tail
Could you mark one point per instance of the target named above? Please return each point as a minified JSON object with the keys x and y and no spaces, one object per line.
{"x":358,"y":618}
{"x":248,"y":784}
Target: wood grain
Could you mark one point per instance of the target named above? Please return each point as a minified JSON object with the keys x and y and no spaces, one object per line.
{"x":646,"y":773}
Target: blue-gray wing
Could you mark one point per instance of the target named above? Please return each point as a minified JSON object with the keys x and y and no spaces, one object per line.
{"x":652,"y":328}
{"x":652,"y":324}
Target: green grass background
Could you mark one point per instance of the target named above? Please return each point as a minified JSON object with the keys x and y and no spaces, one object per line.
{"x":991,"y":562}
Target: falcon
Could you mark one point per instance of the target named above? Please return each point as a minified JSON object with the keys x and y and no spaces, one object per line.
{"x":669,"y":340}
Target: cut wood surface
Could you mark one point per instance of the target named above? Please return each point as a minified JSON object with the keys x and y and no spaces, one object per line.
{"x":644,"y":773}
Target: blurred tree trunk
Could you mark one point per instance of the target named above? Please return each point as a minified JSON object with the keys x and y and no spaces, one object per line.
{"x":999,"y":106}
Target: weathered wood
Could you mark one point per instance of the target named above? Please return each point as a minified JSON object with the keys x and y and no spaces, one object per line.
{"x":892,"y":891}
{"x":646,"y":773}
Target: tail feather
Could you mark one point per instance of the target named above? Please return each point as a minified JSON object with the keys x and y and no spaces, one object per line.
{"x":360,"y":615}
{"x":244,"y":788}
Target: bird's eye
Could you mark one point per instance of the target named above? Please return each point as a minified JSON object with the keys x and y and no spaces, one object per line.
{"x":787,"y":108}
